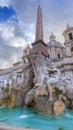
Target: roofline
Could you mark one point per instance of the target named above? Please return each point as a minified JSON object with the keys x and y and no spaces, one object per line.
{"x":67,"y":30}
{"x":17,"y":63}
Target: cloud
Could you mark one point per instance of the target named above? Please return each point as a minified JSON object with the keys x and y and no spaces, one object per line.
{"x":9,"y":55}
{"x":14,"y":35}
{"x":4,"y":3}
{"x":26,"y":17}
{"x":12,"y":42}
{"x":56,"y":15}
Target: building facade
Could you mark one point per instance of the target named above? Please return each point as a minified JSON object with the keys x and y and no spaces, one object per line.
{"x":62,"y":54}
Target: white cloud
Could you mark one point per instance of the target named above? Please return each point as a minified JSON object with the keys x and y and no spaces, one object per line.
{"x":12,"y":42}
{"x":4,"y":3}
{"x":18,"y":42}
{"x":12,"y":34}
{"x":26,"y":16}
{"x":56,"y":14}
{"x":6,"y":31}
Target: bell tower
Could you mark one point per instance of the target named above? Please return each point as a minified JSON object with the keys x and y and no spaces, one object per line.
{"x":68,"y":36}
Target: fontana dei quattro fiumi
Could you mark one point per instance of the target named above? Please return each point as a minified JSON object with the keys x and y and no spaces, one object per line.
{"x":43,"y":79}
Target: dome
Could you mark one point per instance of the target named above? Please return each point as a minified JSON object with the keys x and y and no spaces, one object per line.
{"x":53,"y":42}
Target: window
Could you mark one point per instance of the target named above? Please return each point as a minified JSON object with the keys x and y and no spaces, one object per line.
{"x":70,"y":36}
{"x":72,"y":51}
{"x":49,"y":56}
{"x":59,"y":56}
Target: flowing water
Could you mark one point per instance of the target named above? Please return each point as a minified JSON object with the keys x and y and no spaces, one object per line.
{"x":29,"y":118}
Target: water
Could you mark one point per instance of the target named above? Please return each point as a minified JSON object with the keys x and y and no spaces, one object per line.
{"x":28,"y":118}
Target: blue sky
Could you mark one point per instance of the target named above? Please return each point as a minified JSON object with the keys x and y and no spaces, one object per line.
{"x":6,"y":13}
{"x":18,"y":20}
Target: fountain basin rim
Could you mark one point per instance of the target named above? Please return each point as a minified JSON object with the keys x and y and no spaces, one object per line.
{"x":12,"y":128}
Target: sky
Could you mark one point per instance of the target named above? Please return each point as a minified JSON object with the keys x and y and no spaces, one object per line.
{"x":18,"y":22}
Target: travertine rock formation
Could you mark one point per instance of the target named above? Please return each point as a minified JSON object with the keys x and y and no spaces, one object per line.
{"x":59,"y":108}
{"x":48,"y":87}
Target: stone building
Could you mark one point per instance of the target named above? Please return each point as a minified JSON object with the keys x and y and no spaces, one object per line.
{"x":5,"y":76}
{"x":13,"y":74}
{"x":61,"y":54}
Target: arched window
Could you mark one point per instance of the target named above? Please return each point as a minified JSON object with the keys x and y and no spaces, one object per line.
{"x":59,"y":56}
{"x":72,"y":51}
